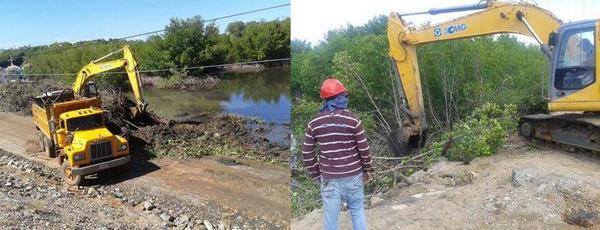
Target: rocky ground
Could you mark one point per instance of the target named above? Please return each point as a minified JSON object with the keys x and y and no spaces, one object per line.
{"x":521,"y":187}
{"x":34,"y":197}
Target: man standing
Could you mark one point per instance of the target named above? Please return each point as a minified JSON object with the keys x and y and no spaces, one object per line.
{"x":344,"y":162}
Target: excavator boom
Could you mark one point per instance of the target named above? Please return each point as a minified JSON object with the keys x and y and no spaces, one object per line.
{"x":96,"y":67}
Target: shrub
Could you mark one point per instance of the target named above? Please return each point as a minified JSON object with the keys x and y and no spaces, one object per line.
{"x":302,"y":112}
{"x":481,"y":134}
{"x":174,"y":81}
{"x":305,"y":193}
{"x":532,"y":105}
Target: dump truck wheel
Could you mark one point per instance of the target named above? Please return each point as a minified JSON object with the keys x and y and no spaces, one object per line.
{"x":68,"y":176}
{"x":49,"y":148}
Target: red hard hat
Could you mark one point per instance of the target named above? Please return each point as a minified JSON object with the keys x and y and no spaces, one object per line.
{"x":331,"y":87}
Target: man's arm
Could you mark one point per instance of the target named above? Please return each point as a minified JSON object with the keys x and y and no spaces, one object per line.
{"x":363,"y":147}
{"x":308,"y":154}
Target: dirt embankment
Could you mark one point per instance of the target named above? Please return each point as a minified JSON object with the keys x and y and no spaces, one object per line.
{"x":519,"y":188}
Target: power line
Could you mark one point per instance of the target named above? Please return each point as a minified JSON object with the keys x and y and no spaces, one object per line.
{"x":214,"y":66}
{"x":162,"y":30}
{"x":165,"y":70}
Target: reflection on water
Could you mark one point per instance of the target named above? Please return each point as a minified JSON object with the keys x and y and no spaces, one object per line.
{"x":265,"y":95}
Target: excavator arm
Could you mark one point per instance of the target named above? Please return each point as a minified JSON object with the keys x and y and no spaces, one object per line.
{"x":494,"y":18}
{"x":96,"y":67}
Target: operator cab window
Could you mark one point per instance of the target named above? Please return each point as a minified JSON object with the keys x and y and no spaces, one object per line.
{"x":575,"y":67}
{"x":91,"y":90}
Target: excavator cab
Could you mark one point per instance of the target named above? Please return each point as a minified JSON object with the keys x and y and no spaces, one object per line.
{"x":573,"y":83}
{"x":90,"y":90}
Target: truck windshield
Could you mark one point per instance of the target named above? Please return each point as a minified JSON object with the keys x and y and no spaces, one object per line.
{"x":85,"y":122}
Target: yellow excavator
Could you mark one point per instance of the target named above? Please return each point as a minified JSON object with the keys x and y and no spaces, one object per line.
{"x":82,"y":87}
{"x":573,"y":89}
{"x":72,"y":127}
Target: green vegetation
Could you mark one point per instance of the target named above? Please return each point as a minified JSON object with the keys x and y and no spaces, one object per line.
{"x":174,"y":80}
{"x":185,"y":43}
{"x":16,"y":97}
{"x":479,"y":135}
{"x":473,"y":90}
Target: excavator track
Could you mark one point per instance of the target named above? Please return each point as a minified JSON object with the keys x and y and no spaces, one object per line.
{"x":576,"y":130}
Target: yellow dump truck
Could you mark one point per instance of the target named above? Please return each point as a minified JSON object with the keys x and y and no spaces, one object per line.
{"x":71,"y":121}
{"x":74,"y":131}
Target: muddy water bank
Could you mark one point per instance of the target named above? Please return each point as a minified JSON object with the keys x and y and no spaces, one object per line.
{"x":261,"y":100}
{"x":210,"y":135}
{"x":264,"y":95}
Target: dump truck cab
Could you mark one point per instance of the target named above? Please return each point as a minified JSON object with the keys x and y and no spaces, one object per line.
{"x":87,"y":145}
{"x":86,"y":140}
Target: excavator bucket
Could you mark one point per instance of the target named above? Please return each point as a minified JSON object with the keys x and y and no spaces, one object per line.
{"x":138,"y":110}
{"x":398,"y":143}
{"x":402,"y":143}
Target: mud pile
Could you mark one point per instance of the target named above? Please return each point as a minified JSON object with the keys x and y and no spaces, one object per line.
{"x":194,"y":135}
{"x":120,"y":113}
{"x":202,"y":135}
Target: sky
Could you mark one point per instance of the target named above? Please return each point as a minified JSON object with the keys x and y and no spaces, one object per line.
{"x":38,"y":22}
{"x":311,"y":19}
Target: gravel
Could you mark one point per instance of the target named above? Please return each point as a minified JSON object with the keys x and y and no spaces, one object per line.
{"x":32,"y":196}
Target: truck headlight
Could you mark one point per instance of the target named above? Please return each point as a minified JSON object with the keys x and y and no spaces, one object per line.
{"x":122,"y":147}
{"x":78,"y":157}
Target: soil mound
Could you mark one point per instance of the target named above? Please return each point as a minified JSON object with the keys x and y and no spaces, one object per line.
{"x":193,"y":135}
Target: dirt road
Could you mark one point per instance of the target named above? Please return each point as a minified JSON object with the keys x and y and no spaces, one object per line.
{"x":234,"y":193}
{"x":519,"y":188}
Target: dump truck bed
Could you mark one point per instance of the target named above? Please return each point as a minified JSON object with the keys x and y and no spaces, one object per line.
{"x":47,"y":108}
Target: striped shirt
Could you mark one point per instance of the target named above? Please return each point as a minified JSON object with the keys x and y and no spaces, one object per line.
{"x":343,"y":147}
